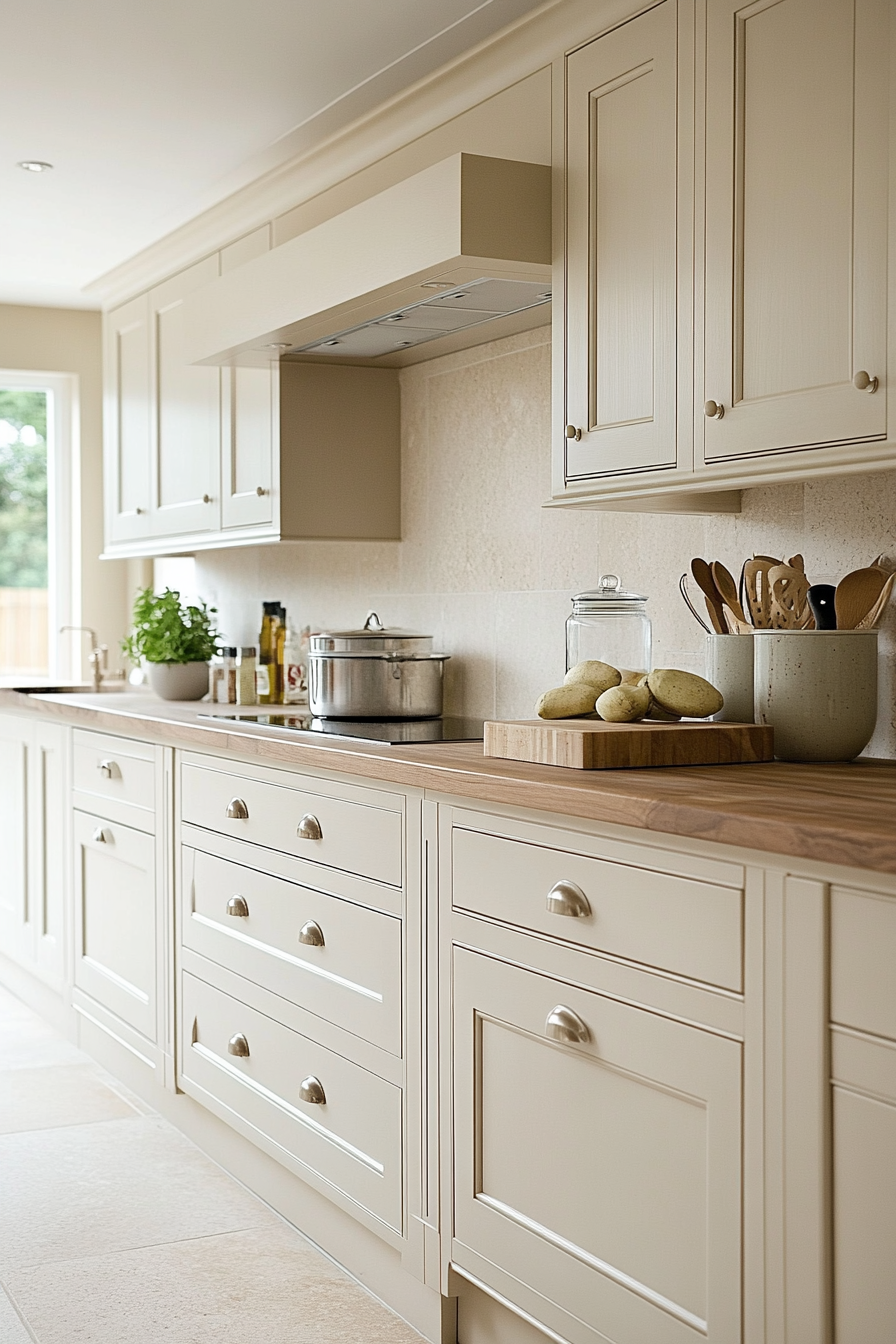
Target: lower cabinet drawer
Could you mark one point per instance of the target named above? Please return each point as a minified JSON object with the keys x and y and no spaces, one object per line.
{"x":339,"y":960}
{"x":599,"y":1173}
{"x":336,"y":1118}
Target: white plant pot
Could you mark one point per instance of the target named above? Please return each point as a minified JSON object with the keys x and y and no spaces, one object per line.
{"x":179,"y":681}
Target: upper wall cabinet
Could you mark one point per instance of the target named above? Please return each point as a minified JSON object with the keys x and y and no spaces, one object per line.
{"x":777,"y":226}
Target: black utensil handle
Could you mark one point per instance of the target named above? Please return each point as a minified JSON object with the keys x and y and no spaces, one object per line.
{"x":821,"y":601}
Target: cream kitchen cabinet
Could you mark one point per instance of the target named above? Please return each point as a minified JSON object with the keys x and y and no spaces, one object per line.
{"x":34,"y":844}
{"x":778,"y":229}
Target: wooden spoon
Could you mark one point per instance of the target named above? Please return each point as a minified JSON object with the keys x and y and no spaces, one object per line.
{"x":727,"y":590}
{"x":871,"y":619}
{"x":714,"y":605}
{"x":856,"y":595}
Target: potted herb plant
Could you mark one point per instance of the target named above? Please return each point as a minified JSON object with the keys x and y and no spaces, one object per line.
{"x":176,"y":640}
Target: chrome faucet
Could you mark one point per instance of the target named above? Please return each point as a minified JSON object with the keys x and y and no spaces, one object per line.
{"x":97,"y":656}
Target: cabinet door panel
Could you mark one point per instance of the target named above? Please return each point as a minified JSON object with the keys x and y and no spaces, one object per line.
{"x":187,"y":415}
{"x":13,"y":838}
{"x":48,"y":859}
{"x":796,"y":245}
{"x":604,"y":1175}
{"x":128,"y":453}
{"x":621,"y":203}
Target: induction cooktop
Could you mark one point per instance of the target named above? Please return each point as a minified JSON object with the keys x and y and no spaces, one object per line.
{"x":391,"y":732}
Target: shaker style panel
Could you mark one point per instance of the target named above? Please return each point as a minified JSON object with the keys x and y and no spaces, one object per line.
{"x":796,"y":225}
{"x":677,"y":924}
{"x":14,"y":910}
{"x":127,"y":426}
{"x":115,"y":919}
{"x":597,"y":1159}
{"x":327,"y":1113}
{"x":363,"y":838}
{"x":339,"y":960}
{"x":863,"y":957}
{"x":115,"y":768}
{"x":621,"y":304}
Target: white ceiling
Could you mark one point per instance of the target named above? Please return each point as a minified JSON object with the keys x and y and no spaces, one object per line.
{"x":152,"y":111}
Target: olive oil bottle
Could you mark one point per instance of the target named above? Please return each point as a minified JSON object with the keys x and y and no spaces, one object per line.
{"x":268,"y":673}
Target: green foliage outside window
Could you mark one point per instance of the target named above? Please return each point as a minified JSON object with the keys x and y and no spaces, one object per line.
{"x":23,"y":488}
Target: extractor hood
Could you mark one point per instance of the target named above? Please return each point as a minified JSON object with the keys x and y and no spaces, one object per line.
{"x":457,"y":254}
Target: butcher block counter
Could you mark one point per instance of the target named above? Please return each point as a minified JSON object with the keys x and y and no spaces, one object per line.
{"x":834,"y":813}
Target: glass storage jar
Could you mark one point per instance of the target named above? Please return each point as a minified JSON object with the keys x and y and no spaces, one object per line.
{"x":609,"y":624}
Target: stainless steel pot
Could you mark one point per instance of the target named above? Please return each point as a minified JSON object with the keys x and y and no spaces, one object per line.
{"x":374,"y":673}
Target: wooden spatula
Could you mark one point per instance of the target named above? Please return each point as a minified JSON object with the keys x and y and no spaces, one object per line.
{"x":756,"y":589}
{"x":789,"y":588}
{"x":856,"y":596}
{"x":727,"y":590}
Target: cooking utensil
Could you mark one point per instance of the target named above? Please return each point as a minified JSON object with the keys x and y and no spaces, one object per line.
{"x":797,"y":562}
{"x":869,"y":621}
{"x":374,"y":673}
{"x":756,"y":589}
{"x":856,"y":595}
{"x":821,"y":600}
{"x":788,"y":588}
{"x":714,"y":604}
{"x":683,"y":589}
{"x":727,"y":590}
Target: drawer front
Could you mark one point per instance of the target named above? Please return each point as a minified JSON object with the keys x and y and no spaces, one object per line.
{"x":115,"y":919}
{"x":355,"y":836}
{"x":352,"y":977}
{"x":604,"y":1173}
{"x":686,"y":926}
{"x":863,"y":954}
{"x":352,"y":1138}
{"x":114,"y":767}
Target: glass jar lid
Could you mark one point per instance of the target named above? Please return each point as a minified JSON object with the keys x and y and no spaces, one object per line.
{"x":607,"y":596}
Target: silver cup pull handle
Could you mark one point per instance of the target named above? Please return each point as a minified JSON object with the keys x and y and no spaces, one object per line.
{"x":311,"y":1090}
{"x":563,"y":1024}
{"x":237,"y":810}
{"x":237,"y":907}
{"x":99,"y":836}
{"x":309,"y":828}
{"x":106,"y":769}
{"x":238,"y":1045}
{"x":565,"y":898}
{"x":311,"y":934}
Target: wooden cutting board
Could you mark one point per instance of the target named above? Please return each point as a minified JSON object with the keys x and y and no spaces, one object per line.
{"x":590,"y":744}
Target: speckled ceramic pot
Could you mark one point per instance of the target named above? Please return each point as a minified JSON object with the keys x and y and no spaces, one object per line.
{"x":818,"y":690}
{"x":729,"y":666}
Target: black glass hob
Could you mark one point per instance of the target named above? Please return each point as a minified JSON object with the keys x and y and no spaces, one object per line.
{"x":391,"y":732}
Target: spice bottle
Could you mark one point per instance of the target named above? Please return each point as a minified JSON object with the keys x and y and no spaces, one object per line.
{"x":245,"y":676}
{"x":226,"y":683}
{"x":295,"y":682}
{"x":281,"y":656}
{"x":267,"y":672}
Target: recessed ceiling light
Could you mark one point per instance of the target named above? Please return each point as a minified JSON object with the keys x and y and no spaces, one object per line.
{"x":436,"y":284}
{"x":279,"y":345}
{"x":34,"y":165}
{"x":333,"y":342}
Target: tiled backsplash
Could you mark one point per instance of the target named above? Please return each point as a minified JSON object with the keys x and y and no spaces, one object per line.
{"x":490,"y":573}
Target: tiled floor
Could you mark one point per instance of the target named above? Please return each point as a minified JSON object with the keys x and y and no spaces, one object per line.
{"x":115,"y":1229}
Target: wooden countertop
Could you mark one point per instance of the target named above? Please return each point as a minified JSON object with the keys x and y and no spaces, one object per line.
{"x":837,"y":813}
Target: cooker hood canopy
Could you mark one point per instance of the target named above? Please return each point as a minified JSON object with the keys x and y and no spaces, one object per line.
{"x":457,"y":254}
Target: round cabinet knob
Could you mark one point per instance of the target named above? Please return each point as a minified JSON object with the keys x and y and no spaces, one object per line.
{"x":309,"y":828}
{"x":206,"y":499}
{"x":311,"y":934}
{"x":713,"y":410}
{"x":565,"y":898}
{"x":239,"y":1046}
{"x":310,"y":1090}
{"x":139,"y":511}
{"x":563,"y":1024}
{"x":106,"y":769}
{"x":99,"y":836}
{"x":260,"y":490}
{"x":237,"y":810}
{"x":237,"y":907}
{"x":573,"y":432}
{"x":863,"y":382}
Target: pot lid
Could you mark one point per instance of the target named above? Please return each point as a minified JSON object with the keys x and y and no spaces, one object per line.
{"x":373,"y":637}
{"x":608,"y":591}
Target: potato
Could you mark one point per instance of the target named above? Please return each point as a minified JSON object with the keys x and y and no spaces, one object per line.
{"x":567,"y":702}
{"x":593,"y":673}
{"x":657,"y":714}
{"x":684,"y":693}
{"x":630,"y":678}
{"x":623,"y":704}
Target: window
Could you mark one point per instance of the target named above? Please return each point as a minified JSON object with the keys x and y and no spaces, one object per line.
{"x":39,"y":573}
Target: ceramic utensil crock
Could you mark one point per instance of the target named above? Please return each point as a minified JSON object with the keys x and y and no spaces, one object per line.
{"x":729,"y":666}
{"x":818,"y":690}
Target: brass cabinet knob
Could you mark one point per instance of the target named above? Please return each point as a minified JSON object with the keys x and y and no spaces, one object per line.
{"x":565,"y":898}
{"x":573,"y":432}
{"x":311,"y":934}
{"x":238,"y":1045}
{"x":106,"y":769}
{"x":260,"y":490}
{"x":713,"y":410}
{"x":139,"y":511}
{"x":237,"y":810}
{"x":237,"y":907}
{"x":563,"y":1024}
{"x":206,"y":499}
{"x":863,"y":382}
{"x":309,"y":828}
{"x":310,"y":1090}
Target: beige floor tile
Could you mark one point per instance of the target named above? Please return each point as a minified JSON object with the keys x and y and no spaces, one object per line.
{"x":264,"y":1286}
{"x":91,"y":1189}
{"x":28,"y":1043}
{"x":49,"y":1097}
{"x":12,"y":1331}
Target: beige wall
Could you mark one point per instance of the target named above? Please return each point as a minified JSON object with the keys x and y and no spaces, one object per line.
{"x":490,"y":572}
{"x":63,"y":340}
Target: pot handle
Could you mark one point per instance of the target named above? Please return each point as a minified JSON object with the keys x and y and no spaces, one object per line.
{"x":373,"y":622}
